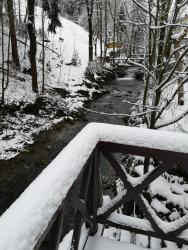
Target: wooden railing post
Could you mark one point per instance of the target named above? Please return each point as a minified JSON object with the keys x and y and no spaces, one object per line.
{"x":56,"y":232}
{"x":88,"y":199}
{"x":87,"y":178}
{"x":52,"y":235}
{"x":94,"y":197}
{"x":76,"y":231}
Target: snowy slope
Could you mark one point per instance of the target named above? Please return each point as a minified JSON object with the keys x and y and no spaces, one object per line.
{"x":68,"y":38}
{"x":19,"y":129}
{"x":59,"y":51}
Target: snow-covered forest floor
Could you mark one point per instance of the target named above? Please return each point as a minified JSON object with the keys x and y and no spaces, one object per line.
{"x":25,"y":113}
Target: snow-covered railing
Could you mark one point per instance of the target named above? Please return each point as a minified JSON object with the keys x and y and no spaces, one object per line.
{"x":37,"y":215}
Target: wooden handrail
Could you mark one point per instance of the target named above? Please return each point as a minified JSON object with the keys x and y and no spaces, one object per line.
{"x":91,"y":200}
{"x":85,"y":193}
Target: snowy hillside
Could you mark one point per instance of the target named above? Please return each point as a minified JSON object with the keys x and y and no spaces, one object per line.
{"x":59,"y":50}
{"x":25,"y":114}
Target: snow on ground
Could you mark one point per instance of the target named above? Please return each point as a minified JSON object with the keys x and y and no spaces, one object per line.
{"x":58,"y":52}
{"x":67,"y":240}
{"x":174,"y":110}
{"x":166,"y":200}
{"x":99,"y":243}
{"x":65,"y":91}
{"x":69,"y":39}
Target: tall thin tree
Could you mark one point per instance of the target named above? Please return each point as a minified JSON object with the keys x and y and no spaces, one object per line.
{"x":2,"y":51}
{"x":12,"y":27}
{"x":105,"y":28}
{"x":90,"y":6}
{"x":33,"y":44}
{"x":43,"y":50}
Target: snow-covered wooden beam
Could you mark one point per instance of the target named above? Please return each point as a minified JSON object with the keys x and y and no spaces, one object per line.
{"x":25,"y":221}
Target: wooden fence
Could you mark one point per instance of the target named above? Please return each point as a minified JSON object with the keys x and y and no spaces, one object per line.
{"x":86,"y":193}
{"x":89,"y":199}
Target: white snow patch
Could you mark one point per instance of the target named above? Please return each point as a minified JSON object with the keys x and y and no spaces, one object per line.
{"x":159,"y":206}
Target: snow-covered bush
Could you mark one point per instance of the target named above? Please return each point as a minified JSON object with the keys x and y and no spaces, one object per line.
{"x":75,"y":59}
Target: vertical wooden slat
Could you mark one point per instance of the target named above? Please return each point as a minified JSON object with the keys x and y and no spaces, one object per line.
{"x":76,"y":231}
{"x":84,"y":190}
{"x":86,"y":179}
{"x":146,"y":165}
{"x":56,"y":232}
{"x":94,"y":197}
{"x":52,"y":235}
{"x":98,"y":175}
{"x":91,"y":193}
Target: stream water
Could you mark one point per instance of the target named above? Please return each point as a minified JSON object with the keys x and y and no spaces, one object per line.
{"x":16,"y":174}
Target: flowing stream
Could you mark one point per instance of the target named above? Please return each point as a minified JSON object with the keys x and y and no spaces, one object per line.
{"x":16,"y":174}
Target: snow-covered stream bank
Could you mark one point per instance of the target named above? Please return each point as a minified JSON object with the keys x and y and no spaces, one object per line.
{"x":17,"y":173}
{"x":25,"y":114}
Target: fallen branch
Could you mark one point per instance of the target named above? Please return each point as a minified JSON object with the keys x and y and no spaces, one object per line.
{"x":24,"y":43}
{"x":166,"y":25}
{"x":117,"y":114}
{"x":139,"y":105}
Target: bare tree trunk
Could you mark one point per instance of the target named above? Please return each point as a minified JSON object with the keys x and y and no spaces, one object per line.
{"x":100,"y":29}
{"x":162,"y":14}
{"x":179,"y":69}
{"x":19,"y":10}
{"x":12,"y":28}
{"x":8,"y":61}
{"x":90,"y":27}
{"x":90,"y":40}
{"x":33,"y":44}
{"x":43,"y":51}
{"x":95,"y":45}
{"x":101,"y":32}
{"x":1,"y":9}
{"x":105,"y":28}
{"x":2,"y":50}
{"x":114,"y":27}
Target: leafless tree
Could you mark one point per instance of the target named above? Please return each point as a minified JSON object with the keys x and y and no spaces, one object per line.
{"x":33,"y":44}
{"x":12,"y":27}
{"x":90,"y":8}
{"x":163,"y":64}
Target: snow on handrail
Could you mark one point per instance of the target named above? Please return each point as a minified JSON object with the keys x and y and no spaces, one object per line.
{"x":23,"y":223}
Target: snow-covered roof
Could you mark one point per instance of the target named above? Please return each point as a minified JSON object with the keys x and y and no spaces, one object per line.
{"x":22,"y":224}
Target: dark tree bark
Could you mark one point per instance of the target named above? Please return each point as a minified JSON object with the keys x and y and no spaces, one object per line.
{"x":106,"y":28}
{"x":2,"y":51}
{"x":43,"y":50}
{"x":12,"y":27}
{"x":33,"y":44}
{"x":1,"y":8}
{"x":100,"y":27}
{"x":90,"y":40}
{"x":90,"y":4}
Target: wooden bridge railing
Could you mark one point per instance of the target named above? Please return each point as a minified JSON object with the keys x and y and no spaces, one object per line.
{"x":86,"y":195}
